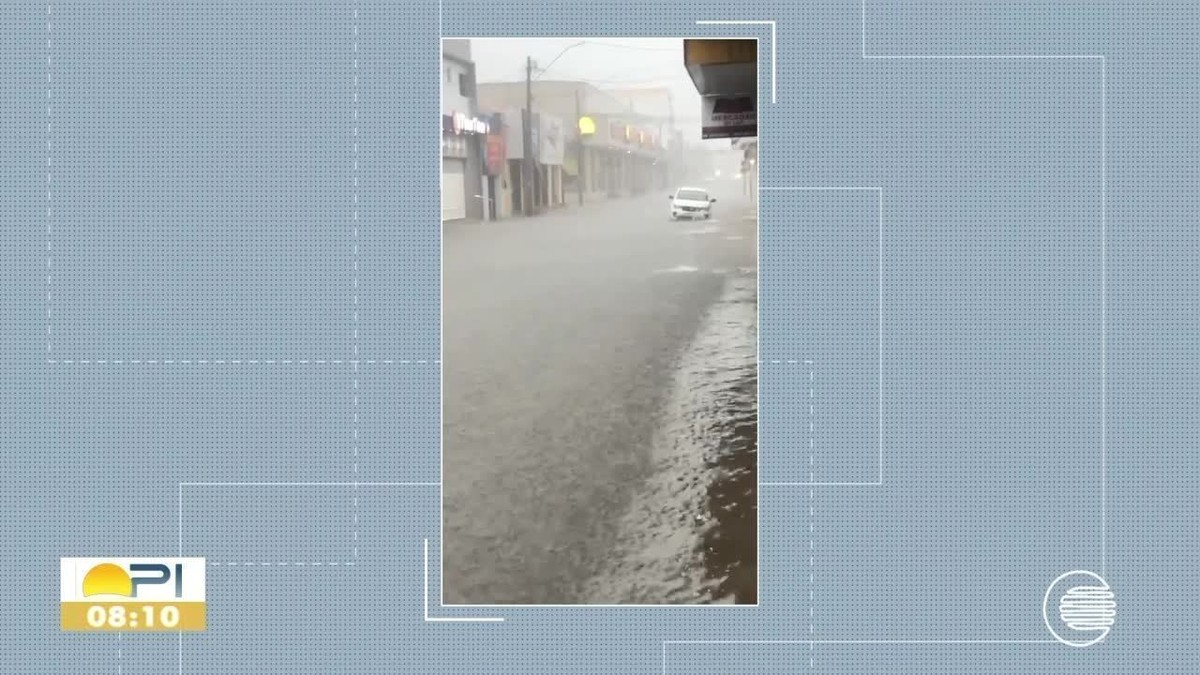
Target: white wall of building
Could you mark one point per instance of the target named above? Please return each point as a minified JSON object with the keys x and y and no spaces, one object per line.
{"x":452,"y":100}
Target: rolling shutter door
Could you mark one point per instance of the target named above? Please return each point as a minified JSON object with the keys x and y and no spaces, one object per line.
{"x":454,"y":193}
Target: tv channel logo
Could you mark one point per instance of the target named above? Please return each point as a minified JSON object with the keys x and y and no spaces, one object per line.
{"x":132,"y":594}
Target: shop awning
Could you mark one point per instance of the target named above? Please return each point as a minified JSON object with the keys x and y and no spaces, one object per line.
{"x":722,"y":67}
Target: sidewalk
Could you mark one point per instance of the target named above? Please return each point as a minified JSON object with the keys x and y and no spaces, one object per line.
{"x":590,"y":201}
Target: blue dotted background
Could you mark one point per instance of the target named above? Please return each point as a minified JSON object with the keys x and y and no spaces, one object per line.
{"x":198,"y":324}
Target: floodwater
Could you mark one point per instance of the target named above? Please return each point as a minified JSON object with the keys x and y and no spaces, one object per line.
{"x":691,"y":533}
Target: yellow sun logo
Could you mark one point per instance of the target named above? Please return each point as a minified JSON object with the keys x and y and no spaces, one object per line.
{"x":107,"y":579}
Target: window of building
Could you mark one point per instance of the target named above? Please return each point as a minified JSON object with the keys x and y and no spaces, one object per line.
{"x":464,"y":85}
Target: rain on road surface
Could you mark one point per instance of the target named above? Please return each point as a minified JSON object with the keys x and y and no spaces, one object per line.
{"x":600,"y":406}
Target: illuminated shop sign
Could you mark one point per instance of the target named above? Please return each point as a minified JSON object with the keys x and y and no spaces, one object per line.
{"x":621,"y":132}
{"x":459,"y":123}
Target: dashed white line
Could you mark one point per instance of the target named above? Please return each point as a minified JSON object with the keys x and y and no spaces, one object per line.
{"x":354,"y":225}
{"x":49,"y":182}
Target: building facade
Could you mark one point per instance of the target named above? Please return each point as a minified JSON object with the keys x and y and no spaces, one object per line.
{"x":606,"y":150}
{"x":539,"y":186}
{"x":625,"y":155}
{"x":464,"y":136}
{"x":658,"y":103}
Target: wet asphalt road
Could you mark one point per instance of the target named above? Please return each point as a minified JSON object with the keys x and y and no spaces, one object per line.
{"x":599,"y":406}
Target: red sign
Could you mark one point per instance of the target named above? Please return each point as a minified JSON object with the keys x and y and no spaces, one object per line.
{"x":497,"y":153}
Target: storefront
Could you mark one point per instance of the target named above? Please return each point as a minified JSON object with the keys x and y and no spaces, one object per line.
{"x":462,"y":150}
{"x":624,"y":157}
{"x":454,"y":178}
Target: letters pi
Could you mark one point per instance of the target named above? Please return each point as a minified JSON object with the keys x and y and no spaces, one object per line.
{"x":161,"y":575}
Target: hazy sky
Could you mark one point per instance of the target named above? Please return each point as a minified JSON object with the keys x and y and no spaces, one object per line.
{"x":607,"y":63}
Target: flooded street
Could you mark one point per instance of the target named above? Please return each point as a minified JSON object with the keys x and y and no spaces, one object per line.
{"x":690,"y":535}
{"x":599,"y":407}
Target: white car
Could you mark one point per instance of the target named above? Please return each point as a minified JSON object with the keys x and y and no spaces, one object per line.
{"x":691,"y":202}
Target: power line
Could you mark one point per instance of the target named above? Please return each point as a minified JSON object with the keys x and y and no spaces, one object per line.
{"x":616,"y":45}
{"x":666,"y":79}
{"x":611,"y":45}
{"x":542,"y":71}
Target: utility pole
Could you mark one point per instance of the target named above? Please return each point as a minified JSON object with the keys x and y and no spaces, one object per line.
{"x":578,"y":147}
{"x":527,"y":141}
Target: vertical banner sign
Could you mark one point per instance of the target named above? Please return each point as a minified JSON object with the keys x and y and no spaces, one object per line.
{"x":496,"y":154}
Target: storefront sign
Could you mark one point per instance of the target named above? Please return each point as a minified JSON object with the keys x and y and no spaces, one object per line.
{"x":728,"y":117}
{"x":496,"y":154}
{"x":458,"y":123}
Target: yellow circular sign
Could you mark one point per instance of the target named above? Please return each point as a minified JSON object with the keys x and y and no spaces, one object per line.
{"x":587,"y":126}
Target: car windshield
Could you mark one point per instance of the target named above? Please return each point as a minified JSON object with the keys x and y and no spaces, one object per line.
{"x":692,"y":195}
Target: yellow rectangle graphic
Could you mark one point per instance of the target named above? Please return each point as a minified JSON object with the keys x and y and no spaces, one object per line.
{"x":133,"y":616}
